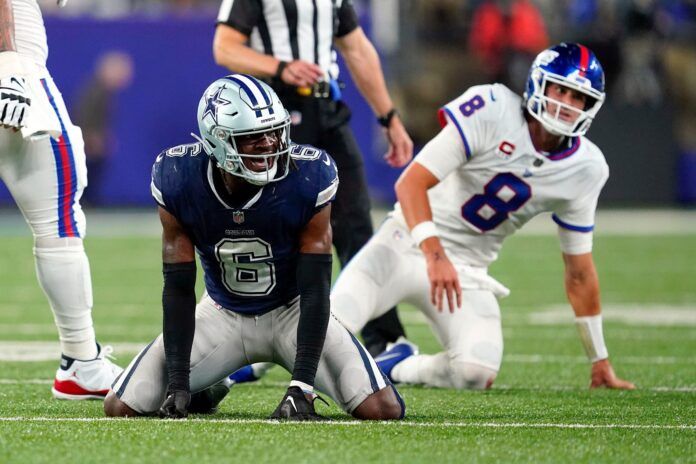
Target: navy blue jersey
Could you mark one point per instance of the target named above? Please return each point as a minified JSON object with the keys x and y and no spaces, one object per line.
{"x":249,"y":254}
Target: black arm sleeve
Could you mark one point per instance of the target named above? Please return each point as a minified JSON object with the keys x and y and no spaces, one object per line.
{"x":179,"y":304}
{"x":347,"y":18}
{"x":314,"y":283}
{"x":242,"y":15}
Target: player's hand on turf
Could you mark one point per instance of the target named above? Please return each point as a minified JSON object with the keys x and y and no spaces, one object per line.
{"x":444,"y":279}
{"x":297,"y":406}
{"x":603,"y":376}
{"x":301,"y":73}
{"x":176,"y":405}
{"x":400,"y":144}
{"x":14,"y":102}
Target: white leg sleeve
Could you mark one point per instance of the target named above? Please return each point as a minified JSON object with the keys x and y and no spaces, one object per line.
{"x":64,"y":275}
{"x":472,"y":338}
{"x":424,"y":369}
{"x":375,"y":279}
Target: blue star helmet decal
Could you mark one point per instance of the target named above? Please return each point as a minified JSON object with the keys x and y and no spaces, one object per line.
{"x":213,"y":102}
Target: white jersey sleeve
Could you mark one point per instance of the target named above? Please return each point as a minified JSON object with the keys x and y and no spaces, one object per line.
{"x":575,"y":217}
{"x":444,"y":153}
{"x":476,"y":114}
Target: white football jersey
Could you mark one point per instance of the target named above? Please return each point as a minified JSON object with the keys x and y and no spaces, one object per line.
{"x":30,"y":33}
{"x":493,"y":180}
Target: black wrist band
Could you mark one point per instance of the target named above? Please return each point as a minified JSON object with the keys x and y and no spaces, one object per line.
{"x":385,"y":120}
{"x":279,"y":70}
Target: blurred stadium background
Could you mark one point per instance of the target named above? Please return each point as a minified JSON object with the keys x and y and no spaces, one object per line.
{"x":131,"y":72}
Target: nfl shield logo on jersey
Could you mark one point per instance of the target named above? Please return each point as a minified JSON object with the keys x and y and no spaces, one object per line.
{"x":238,"y":217}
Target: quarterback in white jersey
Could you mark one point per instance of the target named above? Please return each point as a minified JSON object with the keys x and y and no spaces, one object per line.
{"x":42,"y":163}
{"x":499,"y":161}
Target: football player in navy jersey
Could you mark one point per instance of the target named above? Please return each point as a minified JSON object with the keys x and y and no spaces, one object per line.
{"x":256,"y":209}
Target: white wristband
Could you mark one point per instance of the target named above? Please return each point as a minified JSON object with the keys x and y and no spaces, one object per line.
{"x":423,"y":230}
{"x":303,"y":386}
{"x":590,"y":329}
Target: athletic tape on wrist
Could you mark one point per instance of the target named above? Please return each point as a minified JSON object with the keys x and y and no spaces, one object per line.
{"x":423,"y":230}
{"x":590,"y":329}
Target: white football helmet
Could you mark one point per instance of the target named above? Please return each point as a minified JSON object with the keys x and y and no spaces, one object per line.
{"x":238,"y":105}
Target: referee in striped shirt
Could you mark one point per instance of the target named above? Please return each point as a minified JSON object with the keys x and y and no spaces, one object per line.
{"x":290,"y":43}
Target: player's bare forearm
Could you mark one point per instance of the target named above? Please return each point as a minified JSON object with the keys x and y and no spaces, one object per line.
{"x":7,"y":41}
{"x":582,"y":284}
{"x":365,"y":68}
{"x":230,"y":50}
{"x":412,"y":192}
{"x":176,"y":244}
{"x":316,"y":238}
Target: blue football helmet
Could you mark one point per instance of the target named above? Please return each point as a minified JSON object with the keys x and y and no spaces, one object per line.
{"x":571,"y":65}
{"x":239,"y":105}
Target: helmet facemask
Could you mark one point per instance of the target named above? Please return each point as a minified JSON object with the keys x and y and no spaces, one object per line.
{"x":257,"y":169}
{"x":547,"y":110}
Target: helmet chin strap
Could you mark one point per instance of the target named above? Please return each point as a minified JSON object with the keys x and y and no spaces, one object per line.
{"x":267,"y":175}
{"x":548,"y":122}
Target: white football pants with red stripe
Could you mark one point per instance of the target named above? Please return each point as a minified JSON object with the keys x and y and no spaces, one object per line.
{"x":46,"y":178}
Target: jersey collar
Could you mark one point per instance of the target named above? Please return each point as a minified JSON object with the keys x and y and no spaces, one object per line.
{"x":252,"y":201}
{"x":572,"y":146}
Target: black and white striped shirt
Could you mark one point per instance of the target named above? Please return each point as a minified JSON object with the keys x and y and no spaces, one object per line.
{"x":292,"y":29}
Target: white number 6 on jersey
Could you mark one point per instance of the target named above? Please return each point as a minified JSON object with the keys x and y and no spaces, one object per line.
{"x":243,"y":273}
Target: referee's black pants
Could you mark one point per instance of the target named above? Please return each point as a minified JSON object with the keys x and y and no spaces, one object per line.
{"x":323,"y":123}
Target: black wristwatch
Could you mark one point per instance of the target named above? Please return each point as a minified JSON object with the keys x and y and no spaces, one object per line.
{"x":385,"y":120}
{"x":279,"y":71}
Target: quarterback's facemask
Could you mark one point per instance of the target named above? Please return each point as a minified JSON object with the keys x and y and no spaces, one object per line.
{"x":245,"y":127}
{"x":573,"y":66}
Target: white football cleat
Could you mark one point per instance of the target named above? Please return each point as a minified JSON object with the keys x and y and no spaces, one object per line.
{"x":85,"y":380}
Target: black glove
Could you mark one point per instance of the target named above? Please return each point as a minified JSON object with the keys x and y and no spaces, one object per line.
{"x":295,"y":406}
{"x":176,"y":405}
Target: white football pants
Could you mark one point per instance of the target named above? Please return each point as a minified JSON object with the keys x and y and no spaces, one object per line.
{"x":224,"y":341}
{"x":46,"y":178}
{"x":390,"y":269}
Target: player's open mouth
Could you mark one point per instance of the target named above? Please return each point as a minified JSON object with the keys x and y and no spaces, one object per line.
{"x":259,"y":164}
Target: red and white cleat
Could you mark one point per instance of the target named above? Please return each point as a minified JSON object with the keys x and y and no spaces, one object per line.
{"x":85,"y":380}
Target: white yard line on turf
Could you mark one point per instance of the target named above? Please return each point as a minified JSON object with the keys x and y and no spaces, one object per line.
{"x":364,"y":423}
{"x":659,"y":389}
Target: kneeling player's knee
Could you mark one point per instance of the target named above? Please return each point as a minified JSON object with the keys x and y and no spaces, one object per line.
{"x":386,"y":404}
{"x":469,"y":376}
{"x":114,"y":407}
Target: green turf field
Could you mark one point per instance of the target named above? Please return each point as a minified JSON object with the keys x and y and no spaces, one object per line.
{"x":539,"y":410}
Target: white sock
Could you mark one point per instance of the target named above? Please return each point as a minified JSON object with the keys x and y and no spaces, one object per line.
{"x":260,"y":369}
{"x":424,"y":369}
{"x":64,"y":275}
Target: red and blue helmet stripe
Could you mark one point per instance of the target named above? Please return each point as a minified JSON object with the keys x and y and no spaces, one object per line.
{"x":572,"y":61}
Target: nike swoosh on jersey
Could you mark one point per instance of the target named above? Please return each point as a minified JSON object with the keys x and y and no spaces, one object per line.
{"x":327,"y":161}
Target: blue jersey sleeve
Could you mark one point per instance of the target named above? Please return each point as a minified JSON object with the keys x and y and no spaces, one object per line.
{"x":170,"y":173}
{"x":327,"y":181}
{"x":319,"y":176}
{"x":156,"y":182}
